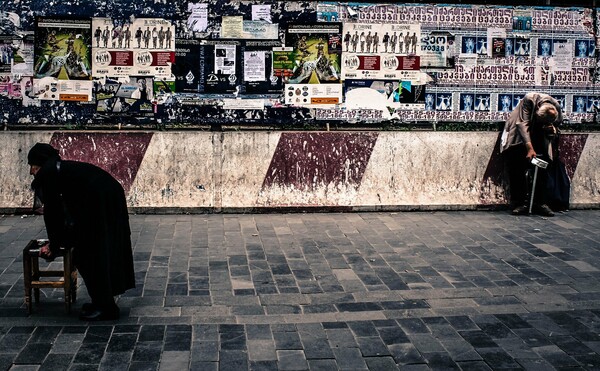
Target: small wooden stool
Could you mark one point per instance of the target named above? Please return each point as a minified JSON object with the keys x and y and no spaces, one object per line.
{"x":32,"y":274}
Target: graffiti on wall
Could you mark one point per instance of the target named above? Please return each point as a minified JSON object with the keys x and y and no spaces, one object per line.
{"x":94,"y":64}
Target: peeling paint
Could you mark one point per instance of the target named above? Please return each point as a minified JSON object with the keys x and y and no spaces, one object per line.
{"x":274,"y":169}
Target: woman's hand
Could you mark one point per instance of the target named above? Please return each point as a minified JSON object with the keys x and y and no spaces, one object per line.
{"x":46,"y":253}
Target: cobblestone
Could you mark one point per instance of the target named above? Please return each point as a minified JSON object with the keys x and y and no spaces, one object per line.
{"x":373,"y":291}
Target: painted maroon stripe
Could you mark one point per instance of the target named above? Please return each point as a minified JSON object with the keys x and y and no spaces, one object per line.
{"x":120,"y":154}
{"x":492,"y":177}
{"x":570,"y":149}
{"x":308,"y":161}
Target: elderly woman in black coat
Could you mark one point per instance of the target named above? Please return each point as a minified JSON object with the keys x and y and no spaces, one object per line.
{"x":85,"y":208}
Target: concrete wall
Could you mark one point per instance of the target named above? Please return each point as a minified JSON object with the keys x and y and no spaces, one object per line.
{"x":242,"y":171}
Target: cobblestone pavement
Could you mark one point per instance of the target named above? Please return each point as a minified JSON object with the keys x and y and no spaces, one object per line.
{"x":379,"y":291}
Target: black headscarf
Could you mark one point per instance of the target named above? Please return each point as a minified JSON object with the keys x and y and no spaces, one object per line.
{"x":40,"y":153}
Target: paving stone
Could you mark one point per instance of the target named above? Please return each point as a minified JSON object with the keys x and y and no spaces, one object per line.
{"x":341,"y":338}
{"x":381,"y":363}
{"x":55,"y":362}
{"x":363,"y":328}
{"x":33,"y":353}
{"x":555,"y":356}
{"x":261,"y":350}
{"x":440,"y":361}
{"x":263,"y":365}
{"x":67,"y":343}
{"x":204,"y":366}
{"x":147,"y":352}
{"x":115,"y":361}
{"x":478,"y":339}
{"x":316,"y":348}
{"x":205,"y":351}
{"x":121,"y":343}
{"x":291,"y":360}
{"x":413,"y":326}
{"x":233,"y":340}
{"x":349,"y":358}
{"x":535,"y":364}
{"x":406,"y":354}
{"x":233,"y":360}
{"x":372,"y":347}
{"x":497,"y":358}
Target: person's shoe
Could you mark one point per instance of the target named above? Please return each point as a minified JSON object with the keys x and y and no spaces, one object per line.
{"x":100,"y":315}
{"x":520,"y":210}
{"x":544,"y":210}
{"x":86,"y":308}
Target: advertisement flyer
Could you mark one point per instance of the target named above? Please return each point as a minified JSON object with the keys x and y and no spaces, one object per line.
{"x":144,"y":47}
{"x":187,"y":65}
{"x":384,"y":94}
{"x":259,"y":75}
{"x":62,"y":59}
{"x":438,"y":49}
{"x":198,"y":20}
{"x":23,"y":57}
{"x":260,"y":30}
{"x":375,"y":51}
{"x":7,"y":51}
{"x":317,"y":52}
{"x":283,"y":62}
{"x":133,"y":97}
{"x":221,"y":66}
{"x":321,"y":95}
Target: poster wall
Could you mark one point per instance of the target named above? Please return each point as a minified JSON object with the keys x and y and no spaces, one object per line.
{"x":325,"y":60}
{"x":479,"y":60}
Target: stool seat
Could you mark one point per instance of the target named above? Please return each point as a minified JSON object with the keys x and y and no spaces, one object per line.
{"x":66,"y":278}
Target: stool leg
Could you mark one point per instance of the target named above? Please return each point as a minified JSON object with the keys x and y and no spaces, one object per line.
{"x":27,"y":279}
{"x":73,"y":286}
{"x":67,"y":279}
{"x":35,"y":275}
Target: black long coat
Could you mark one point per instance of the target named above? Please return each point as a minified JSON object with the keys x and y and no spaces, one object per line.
{"x":85,"y":207}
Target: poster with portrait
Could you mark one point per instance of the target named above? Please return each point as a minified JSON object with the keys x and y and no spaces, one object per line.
{"x":375,"y":51}
{"x":133,"y":97}
{"x":145,"y":46}
{"x":317,"y":52}
{"x":438,"y":49}
{"x":384,"y":95}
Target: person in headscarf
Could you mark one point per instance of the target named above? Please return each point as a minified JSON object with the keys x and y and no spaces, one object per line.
{"x":85,"y":208}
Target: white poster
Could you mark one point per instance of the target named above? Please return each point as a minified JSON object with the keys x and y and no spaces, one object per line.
{"x":198,"y":20}
{"x":225,"y":59}
{"x":562,"y":60}
{"x":254,"y":66}
{"x":261,"y":13}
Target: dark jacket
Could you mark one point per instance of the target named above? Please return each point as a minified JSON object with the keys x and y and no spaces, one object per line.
{"x":85,"y":208}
